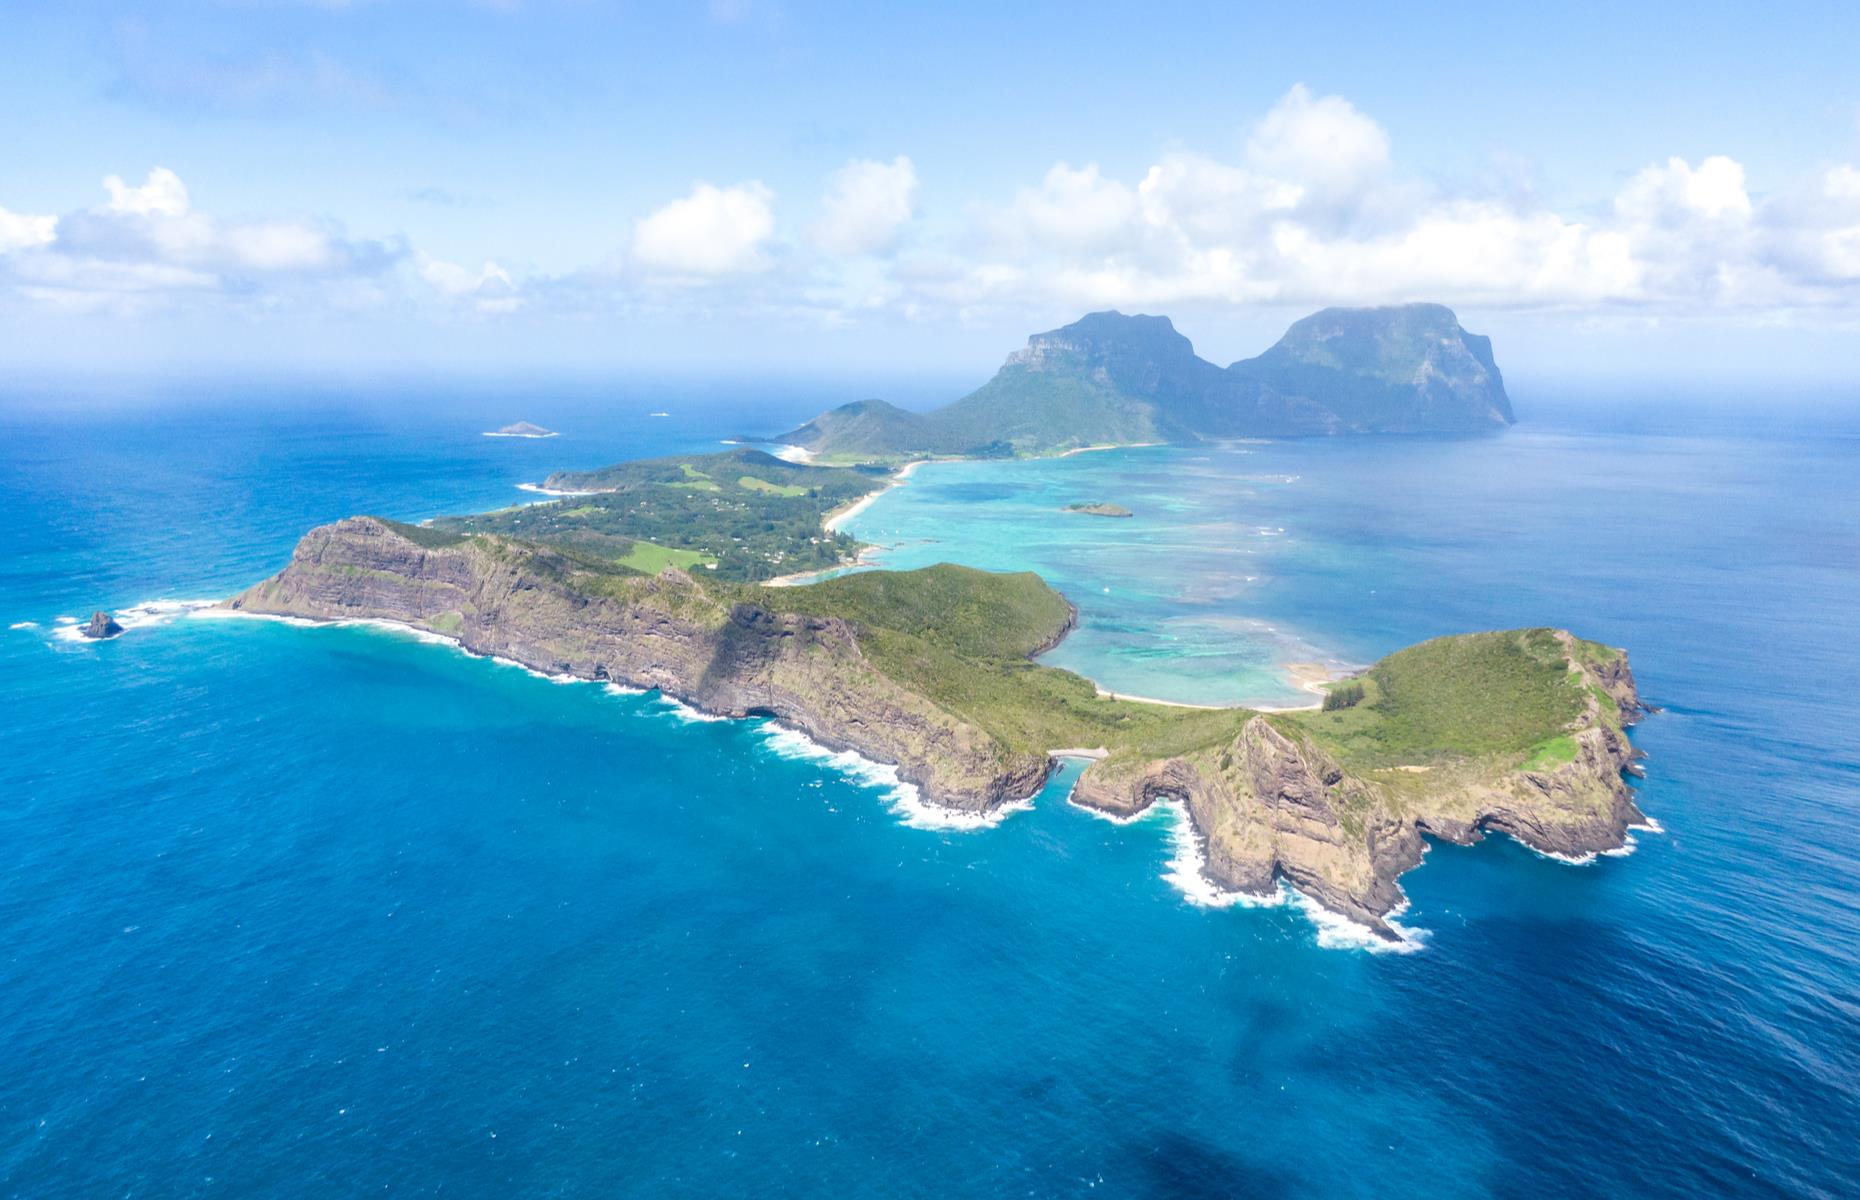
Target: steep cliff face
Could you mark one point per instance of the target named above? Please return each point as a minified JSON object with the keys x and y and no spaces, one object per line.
{"x":1275,"y":804}
{"x":1405,"y":369}
{"x":1520,"y":732}
{"x":555,"y":614}
{"x":1112,"y":378}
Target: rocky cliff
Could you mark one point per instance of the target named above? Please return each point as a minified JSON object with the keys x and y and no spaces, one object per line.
{"x":1112,"y":378}
{"x":1518,"y":732}
{"x":563,"y":615}
{"x":1275,"y":803}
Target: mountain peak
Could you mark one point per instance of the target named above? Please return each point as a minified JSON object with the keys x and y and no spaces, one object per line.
{"x":1101,"y":335}
{"x":1116,"y":378}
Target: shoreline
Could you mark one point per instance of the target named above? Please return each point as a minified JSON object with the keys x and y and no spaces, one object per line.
{"x":867,"y":556}
{"x":840,"y":516}
{"x":1107,"y":446}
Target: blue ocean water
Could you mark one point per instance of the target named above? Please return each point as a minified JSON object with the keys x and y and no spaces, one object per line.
{"x":308,"y":911}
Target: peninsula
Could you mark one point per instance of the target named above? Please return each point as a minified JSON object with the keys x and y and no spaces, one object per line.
{"x":932,"y":670}
{"x":654,"y":574}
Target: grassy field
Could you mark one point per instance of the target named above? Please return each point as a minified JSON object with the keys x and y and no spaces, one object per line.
{"x":1503,"y":696}
{"x":651,"y":559}
{"x":774,"y":489}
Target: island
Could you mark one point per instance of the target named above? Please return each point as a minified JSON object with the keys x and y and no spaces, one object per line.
{"x":102,"y":626}
{"x":522,"y":429}
{"x":1100,"y":508}
{"x":657,"y":574}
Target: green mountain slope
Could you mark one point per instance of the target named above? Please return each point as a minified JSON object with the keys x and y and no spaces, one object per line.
{"x":1115,"y":379}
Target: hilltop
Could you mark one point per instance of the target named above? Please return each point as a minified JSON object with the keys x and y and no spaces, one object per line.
{"x":1113,"y":379}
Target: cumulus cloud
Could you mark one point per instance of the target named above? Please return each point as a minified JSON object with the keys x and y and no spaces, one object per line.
{"x":1321,"y":151}
{"x":22,"y":231}
{"x":866,"y":207}
{"x":148,"y":240}
{"x":490,"y":290}
{"x":1314,"y":210}
{"x":711,"y":233}
{"x":1310,"y":205}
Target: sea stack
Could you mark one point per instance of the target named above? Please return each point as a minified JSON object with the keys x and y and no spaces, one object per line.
{"x":102,"y":625}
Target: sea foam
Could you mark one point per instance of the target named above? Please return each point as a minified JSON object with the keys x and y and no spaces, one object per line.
{"x":900,"y":796}
{"x":1186,"y":872}
{"x":145,"y":615}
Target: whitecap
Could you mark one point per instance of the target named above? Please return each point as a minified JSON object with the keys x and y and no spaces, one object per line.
{"x":1338,"y":932}
{"x":680,"y":711}
{"x":1648,"y":825}
{"x":620,"y":689}
{"x":239,"y":614}
{"x":901,"y":797}
{"x":24,"y":625}
{"x":1568,"y":860}
{"x":557,"y":493}
{"x":145,"y":615}
{"x":1187,"y":867}
{"x":1113,"y":818}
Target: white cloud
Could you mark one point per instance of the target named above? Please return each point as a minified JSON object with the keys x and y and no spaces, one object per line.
{"x":1311,"y":207}
{"x":1321,"y":149}
{"x":490,"y":290}
{"x":1077,"y":208}
{"x":163,"y":193}
{"x":147,"y":241}
{"x":710,"y":233}
{"x":866,"y":207}
{"x":21,"y":231}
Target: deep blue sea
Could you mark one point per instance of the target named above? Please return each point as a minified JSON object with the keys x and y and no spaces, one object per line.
{"x":331,"y":911}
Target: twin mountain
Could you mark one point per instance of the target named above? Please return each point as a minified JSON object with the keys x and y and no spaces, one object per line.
{"x":1115,"y":379}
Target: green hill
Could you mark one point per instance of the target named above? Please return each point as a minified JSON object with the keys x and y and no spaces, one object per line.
{"x":1109,"y":378}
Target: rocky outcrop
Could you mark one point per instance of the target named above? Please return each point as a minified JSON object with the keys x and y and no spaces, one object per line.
{"x":542,"y":609}
{"x":102,"y":625}
{"x":1273,"y":805}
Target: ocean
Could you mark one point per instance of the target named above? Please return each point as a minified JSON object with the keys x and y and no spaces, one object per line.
{"x":336,"y":911}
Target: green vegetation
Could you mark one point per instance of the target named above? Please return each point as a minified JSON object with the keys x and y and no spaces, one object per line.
{"x":1475,"y":696}
{"x":1551,"y":753}
{"x":775,"y":489}
{"x":1109,"y":378}
{"x":750,"y":513}
{"x":962,"y":637}
{"x":650,"y":559}
{"x":1343,"y":695}
{"x":425,"y":536}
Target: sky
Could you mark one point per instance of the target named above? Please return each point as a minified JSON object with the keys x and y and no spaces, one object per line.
{"x":740,"y":185}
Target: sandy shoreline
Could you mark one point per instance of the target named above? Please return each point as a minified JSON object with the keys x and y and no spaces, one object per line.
{"x":1311,"y":677}
{"x":1106,"y":446}
{"x":840,"y":516}
{"x":868,"y":555}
